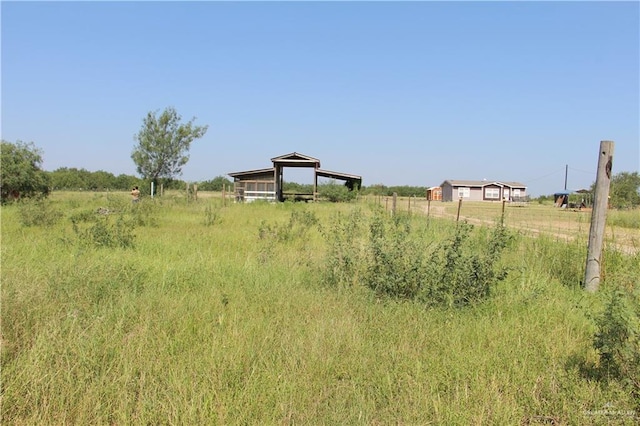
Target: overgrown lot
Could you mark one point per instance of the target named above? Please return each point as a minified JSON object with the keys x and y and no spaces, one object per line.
{"x":191,"y":312}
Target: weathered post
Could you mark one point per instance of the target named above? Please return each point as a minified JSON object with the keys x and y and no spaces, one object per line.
{"x":394,"y":203}
{"x":223,"y":194}
{"x":459,"y":206}
{"x":195,"y":191}
{"x":598,"y":217}
{"x":428,"y":209}
{"x":504,"y":201}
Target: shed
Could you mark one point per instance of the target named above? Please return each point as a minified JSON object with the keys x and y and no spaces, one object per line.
{"x":434,"y":193}
{"x":267,"y":184}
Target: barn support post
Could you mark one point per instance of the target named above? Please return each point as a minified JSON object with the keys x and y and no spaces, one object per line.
{"x":598,"y":217}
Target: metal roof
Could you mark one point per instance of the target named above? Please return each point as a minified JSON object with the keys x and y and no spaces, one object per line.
{"x":296,"y":159}
{"x":252,"y":172}
{"x":338,"y":175}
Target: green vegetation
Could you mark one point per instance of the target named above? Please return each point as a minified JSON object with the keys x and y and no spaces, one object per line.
{"x":21,"y":175}
{"x":163,"y":144}
{"x":288,"y":313}
{"x":625,"y":190}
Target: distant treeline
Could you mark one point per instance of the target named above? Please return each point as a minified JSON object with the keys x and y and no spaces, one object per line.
{"x":72,"y":179}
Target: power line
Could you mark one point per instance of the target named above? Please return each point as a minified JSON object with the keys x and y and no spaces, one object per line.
{"x":542,"y":177}
{"x":581,"y":171}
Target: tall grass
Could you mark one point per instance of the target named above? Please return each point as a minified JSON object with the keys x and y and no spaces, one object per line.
{"x":216,"y":322}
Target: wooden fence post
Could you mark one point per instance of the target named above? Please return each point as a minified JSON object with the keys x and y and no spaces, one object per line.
{"x":428,"y":209}
{"x":394,"y":203}
{"x":459,"y":206}
{"x":598,"y":217}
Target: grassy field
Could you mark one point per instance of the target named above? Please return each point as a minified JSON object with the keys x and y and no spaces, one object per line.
{"x":191,"y":312}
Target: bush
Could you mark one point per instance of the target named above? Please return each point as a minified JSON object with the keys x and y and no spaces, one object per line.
{"x":461,"y":272}
{"x":617,"y":339}
{"x":336,"y":193}
{"x":38,"y":212}
{"x":105,"y":232}
{"x":344,"y":257}
{"x":299,"y":223}
{"x":399,"y":262}
{"x":396,"y":267}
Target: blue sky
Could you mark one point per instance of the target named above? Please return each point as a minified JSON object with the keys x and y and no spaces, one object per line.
{"x":402,"y":93}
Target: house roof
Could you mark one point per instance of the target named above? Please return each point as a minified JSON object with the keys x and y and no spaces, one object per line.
{"x":482,"y":183}
{"x":296,"y":159}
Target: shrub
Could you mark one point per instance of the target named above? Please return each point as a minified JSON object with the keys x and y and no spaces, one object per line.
{"x":38,"y":212}
{"x":462,"y":273}
{"x":104,"y":232}
{"x":396,"y":266}
{"x":344,"y":257}
{"x":336,"y":193}
{"x":144,"y":213}
{"x":211,"y":216}
{"x":617,"y":339}
{"x":400,"y":262}
{"x":299,"y":223}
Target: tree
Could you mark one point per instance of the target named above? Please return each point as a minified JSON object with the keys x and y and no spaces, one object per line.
{"x":21,"y":174}
{"x":625,"y":190}
{"x":215,"y":184}
{"x":163,"y":144}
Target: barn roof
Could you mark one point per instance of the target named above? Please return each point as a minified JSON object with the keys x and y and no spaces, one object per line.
{"x":295,"y":159}
{"x":248,"y":173}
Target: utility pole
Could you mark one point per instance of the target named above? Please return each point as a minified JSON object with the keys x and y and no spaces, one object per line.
{"x":566,"y":173}
{"x":598,"y":217}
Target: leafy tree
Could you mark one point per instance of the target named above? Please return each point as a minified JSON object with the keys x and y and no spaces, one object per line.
{"x":21,"y":174}
{"x":625,"y":190}
{"x":335,"y":192}
{"x":215,"y":184}
{"x":163,"y":144}
{"x":69,"y":178}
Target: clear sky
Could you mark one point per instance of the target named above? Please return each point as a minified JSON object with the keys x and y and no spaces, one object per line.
{"x":401,"y":93}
